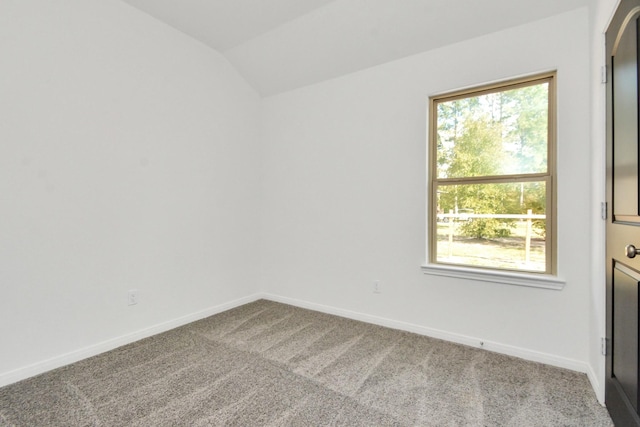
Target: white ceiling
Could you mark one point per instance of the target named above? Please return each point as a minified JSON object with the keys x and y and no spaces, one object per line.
{"x":279,"y":45}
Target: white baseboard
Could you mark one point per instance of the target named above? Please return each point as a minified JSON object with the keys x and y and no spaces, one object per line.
{"x":93,"y":350}
{"x":522,"y":353}
{"x":596,"y":384}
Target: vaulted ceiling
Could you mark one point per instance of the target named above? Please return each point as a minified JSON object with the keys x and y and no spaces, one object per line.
{"x":279,"y":45}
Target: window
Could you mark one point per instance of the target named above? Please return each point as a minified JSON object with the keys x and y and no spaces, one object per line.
{"x":492,"y":165}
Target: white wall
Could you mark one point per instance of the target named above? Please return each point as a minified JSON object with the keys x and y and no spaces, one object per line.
{"x":344,"y":196}
{"x":127,"y":160}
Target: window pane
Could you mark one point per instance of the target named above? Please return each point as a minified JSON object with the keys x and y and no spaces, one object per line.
{"x":489,"y":225}
{"x":501,"y":133}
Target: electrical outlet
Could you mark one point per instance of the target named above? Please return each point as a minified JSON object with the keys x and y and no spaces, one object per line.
{"x":132,"y":296}
{"x":376,"y":287}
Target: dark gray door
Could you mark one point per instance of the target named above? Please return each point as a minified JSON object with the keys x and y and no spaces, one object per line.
{"x":623,"y":226}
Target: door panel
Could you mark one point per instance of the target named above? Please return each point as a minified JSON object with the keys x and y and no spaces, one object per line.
{"x":625,"y":98}
{"x":625,"y":331}
{"x":625,"y":104}
{"x":623,"y":226}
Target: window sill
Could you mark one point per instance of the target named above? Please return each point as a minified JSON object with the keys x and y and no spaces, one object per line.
{"x":544,"y":281}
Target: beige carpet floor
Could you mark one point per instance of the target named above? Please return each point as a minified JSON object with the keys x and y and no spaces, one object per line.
{"x":270,"y":364}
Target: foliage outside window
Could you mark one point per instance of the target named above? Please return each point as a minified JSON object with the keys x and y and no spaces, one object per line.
{"x":492,"y":176}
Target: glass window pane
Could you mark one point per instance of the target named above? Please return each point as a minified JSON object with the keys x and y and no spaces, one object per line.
{"x":492,"y":225}
{"x":501,"y":133}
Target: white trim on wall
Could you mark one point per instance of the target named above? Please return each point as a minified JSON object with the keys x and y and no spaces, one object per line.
{"x":595,"y":384}
{"x":94,"y":350}
{"x":544,"y":281}
{"x":509,"y":350}
{"x":102,"y":347}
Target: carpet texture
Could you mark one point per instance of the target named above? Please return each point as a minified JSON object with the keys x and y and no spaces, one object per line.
{"x":271,"y":364}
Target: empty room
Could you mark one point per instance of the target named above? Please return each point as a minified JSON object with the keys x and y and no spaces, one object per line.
{"x":319,"y":212}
